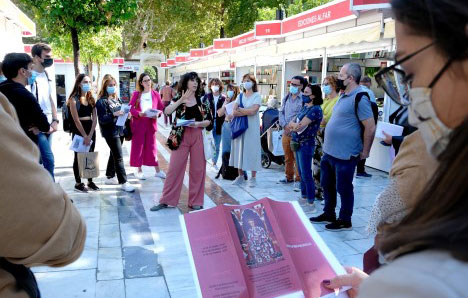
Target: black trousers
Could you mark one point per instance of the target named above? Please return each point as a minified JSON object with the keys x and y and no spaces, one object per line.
{"x":361,"y":166}
{"x":76,"y":171}
{"x":115,"y":164}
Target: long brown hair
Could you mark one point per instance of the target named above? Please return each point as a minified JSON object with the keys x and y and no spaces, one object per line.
{"x":182,"y":86}
{"x":76,"y":92}
{"x":218,"y":82}
{"x":235,"y":89}
{"x":105,"y":82}
{"x":439,"y":218}
{"x":139,"y":86}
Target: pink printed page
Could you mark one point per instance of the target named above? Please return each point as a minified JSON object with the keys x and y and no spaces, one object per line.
{"x":261,"y":250}
{"x":216,"y":262}
{"x":311,"y":264}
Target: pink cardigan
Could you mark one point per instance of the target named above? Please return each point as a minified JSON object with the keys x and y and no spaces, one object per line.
{"x":135,"y":112}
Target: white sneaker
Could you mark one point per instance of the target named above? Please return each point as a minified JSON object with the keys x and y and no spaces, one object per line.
{"x":239,"y":180}
{"x":128,"y":187}
{"x":111,"y":181}
{"x":252,"y":182}
{"x":140,"y":175}
{"x":311,"y":206}
{"x":161,"y":175}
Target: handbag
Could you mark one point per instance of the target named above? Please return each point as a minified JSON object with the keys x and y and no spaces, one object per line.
{"x":277,"y":143}
{"x":208,"y":144}
{"x":239,"y":124}
{"x":88,"y":164}
{"x":128,"y":130}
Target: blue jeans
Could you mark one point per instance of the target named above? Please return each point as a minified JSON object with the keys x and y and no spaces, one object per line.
{"x":226,"y":137}
{"x":304,"y":156}
{"x":217,"y":140}
{"x":44,"y":142}
{"x":337,"y":175}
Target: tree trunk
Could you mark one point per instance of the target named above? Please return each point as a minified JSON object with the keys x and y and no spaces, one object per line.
{"x":98,"y":75}
{"x":221,"y":32}
{"x":90,"y":71}
{"x":76,"y":50}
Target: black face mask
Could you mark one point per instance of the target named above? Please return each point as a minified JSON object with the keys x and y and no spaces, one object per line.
{"x":47,"y":62}
{"x":340,"y":84}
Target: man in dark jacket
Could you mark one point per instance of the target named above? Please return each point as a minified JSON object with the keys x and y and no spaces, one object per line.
{"x":17,"y":68}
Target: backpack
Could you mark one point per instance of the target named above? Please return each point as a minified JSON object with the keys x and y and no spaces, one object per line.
{"x":67,"y":118}
{"x":374,"y":107}
{"x":35,"y":84}
{"x":228,"y":172}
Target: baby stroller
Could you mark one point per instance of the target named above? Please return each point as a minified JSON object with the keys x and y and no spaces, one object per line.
{"x":270,"y":126}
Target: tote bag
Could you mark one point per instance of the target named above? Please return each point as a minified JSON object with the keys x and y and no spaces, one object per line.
{"x":208,"y":144}
{"x":239,"y":124}
{"x":277,"y":136}
{"x":88,"y":164}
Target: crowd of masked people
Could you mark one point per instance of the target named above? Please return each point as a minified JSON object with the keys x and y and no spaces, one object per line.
{"x":418,"y":220}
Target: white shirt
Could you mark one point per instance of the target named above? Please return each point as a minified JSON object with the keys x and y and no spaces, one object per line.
{"x":215,"y":100}
{"x":43,"y":92}
{"x":146,"y":101}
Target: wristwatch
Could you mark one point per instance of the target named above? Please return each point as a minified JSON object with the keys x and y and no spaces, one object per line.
{"x":55,"y":120}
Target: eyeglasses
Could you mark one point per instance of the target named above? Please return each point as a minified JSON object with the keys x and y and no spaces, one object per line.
{"x":396,"y":83}
{"x":146,"y":81}
{"x":296,"y":85}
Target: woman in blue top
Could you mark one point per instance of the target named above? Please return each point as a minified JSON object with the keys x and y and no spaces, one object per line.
{"x":304,"y":129}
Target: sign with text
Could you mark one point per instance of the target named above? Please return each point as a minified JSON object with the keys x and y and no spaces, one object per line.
{"x":318,"y":16}
{"x":208,"y":51}
{"x":171,"y":62}
{"x":244,"y":39}
{"x":181,"y":59}
{"x":369,"y":4}
{"x":119,"y":61}
{"x":222,"y":44}
{"x":267,"y":29}
{"x":163,"y":64}
{"x":195,"y":53}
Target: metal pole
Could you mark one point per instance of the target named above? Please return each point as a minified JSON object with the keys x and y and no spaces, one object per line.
{"x":324,"y":64}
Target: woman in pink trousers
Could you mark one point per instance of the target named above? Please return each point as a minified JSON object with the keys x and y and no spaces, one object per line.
{"x":144,"y":127}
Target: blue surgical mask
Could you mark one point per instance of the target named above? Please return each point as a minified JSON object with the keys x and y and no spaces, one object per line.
{"x":110,"y":89}
{"x":293,"y":89}
{"x":248,"y":85}
{"x":2,"y":79}
{"x":32,"y":78}
{"x":326,"y":89}
{"x":86,"y":87}
{"x":230,"y":93}
{"x":306,"y":99}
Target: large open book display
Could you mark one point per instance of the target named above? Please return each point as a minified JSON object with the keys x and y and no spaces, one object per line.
{"x":263,"y":249}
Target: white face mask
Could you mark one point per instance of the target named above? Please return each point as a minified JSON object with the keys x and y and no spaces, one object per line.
{"x":215,"y":88}
{"x":422,"y":115}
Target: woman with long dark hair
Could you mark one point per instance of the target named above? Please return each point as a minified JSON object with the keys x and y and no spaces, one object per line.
{"x":109,"y":109}
{"x":304,"y":129}
{"x":82,"y":107}
{"x":185,"y":141}
{"x":427,"y":250}
{"x":144,"y":151}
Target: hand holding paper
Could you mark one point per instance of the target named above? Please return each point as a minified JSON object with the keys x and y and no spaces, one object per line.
{"x":78,"y":144}
{"x":152,"y":113}
{"x":391,"y":129}
{"x":183,"y":122}
{"x":125,"y":109}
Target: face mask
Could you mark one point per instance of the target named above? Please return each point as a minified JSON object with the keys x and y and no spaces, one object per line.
{"x":306,"y":99}
{"x":326,"y":90}
{"x":230,"y":93}
{"x":110,"y":89}
{"x":48,"y":62}
{"x":340,"y":84}
{"x":2,"y":79}
{"x":215,"y":88}
{"x":293,"y":89}
{"x":32,"y":78}
{"x":422,"y":115}
{"x":86,"y":87}
{"x":248,"y":85}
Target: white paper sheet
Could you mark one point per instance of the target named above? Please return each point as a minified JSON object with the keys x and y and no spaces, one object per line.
{"x":391,"y":129}
{"x":229,"y":108}
{"x":78,"y":145}
{"x":183,"y":122}
{"x":121,"y":120}
{"x":151,"y":113}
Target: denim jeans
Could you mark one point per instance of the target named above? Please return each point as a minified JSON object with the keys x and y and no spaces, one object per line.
{"x":115,"y":164}
{"x":226,"y":137}
{"x":337,"y":175}
{"x":217,"y":140}
{"x":44,"y":142}
{"x":304,"y":156}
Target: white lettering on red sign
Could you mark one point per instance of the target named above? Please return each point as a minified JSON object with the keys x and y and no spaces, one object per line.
{"x":313,"y":19}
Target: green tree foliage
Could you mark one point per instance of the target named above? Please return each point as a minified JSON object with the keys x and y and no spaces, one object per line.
{"x":76,"y":17}
{"x":149,"y":70}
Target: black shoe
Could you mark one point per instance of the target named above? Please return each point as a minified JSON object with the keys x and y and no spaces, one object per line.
{"x":92,"y":185}
{"x":363,"y":174}
{"x":285,"y":181}
{"x":339,"y":225}
{"x":196,"y":207}
{"x":323,"y":218}
{"x":160,"y":206}
{"x":81,"y":187}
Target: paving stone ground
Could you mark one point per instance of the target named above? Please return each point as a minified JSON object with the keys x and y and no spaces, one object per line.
{"x":135,"y":253}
